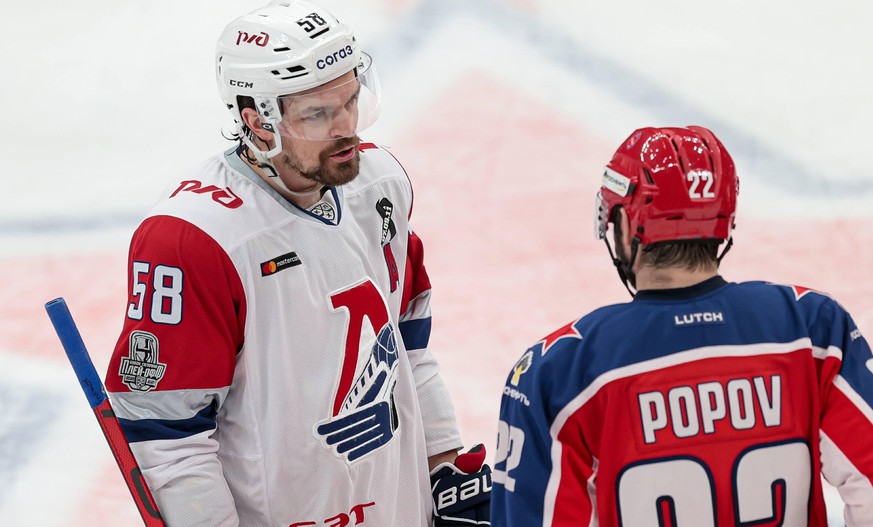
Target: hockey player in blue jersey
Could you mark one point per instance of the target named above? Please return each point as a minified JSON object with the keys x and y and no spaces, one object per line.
{"x":699,"y":403}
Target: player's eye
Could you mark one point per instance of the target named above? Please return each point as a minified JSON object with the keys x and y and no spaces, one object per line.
{"x":352,"y":102}
{"x":315,"y":116}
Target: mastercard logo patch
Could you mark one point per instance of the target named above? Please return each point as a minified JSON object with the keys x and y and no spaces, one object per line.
{"x":279,"y":263}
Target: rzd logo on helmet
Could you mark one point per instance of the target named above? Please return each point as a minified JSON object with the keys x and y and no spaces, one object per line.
{"x":259,"y":39}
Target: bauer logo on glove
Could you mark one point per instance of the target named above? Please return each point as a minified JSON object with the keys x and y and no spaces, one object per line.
{"x":462,"y":490}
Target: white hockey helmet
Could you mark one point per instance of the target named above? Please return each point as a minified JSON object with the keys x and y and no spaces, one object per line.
{"x":278,"y":56}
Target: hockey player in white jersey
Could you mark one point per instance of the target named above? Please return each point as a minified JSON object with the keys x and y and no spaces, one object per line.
{"x":282,"y":298}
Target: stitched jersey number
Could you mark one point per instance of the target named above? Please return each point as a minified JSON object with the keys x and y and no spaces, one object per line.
{"x":166,"y":293}
{"x":771,"y":483}
{"x":361,"y":300}
{"x":510,"y":441}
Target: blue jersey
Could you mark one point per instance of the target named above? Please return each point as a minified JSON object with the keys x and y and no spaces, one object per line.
{"x":718,"y":404}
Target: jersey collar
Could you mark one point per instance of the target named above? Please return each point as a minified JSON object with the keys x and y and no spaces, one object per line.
{"x":682,"y":293}
{"x":238,"y":165}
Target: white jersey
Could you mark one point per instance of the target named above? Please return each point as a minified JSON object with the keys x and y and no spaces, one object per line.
{"x":273,"y":368}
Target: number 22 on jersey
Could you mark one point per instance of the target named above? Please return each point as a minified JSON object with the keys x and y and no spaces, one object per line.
{"x":770,"y":485}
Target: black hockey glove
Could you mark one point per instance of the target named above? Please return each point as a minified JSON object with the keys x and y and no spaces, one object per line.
{"x":462,"y":490}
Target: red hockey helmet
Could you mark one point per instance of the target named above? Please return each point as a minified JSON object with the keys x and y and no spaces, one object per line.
{"x":673,"y":183}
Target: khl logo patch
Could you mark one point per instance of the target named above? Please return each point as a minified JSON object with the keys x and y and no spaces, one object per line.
{"x":324,"y":210}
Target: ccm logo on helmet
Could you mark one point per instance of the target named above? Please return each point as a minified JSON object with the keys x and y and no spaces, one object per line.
{"x":334,"y":57}
{"x":259,"y":39}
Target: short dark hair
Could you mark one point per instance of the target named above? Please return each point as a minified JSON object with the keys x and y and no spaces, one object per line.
{"x":689,"y":254}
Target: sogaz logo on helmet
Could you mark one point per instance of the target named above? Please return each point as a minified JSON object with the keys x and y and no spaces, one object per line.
{"x":335,"y":57}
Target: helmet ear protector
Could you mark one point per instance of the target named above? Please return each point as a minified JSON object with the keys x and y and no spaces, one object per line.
{"x":675,"y":184}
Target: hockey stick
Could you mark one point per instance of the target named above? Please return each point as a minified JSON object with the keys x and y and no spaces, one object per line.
{"x":67,"y":331}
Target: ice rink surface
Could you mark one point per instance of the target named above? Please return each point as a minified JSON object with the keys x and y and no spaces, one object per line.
{"x":503,"y":112}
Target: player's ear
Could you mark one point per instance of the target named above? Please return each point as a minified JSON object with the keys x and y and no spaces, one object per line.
{"x":253,"y":121}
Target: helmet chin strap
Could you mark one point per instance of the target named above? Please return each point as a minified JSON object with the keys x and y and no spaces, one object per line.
{"x":265,"y":163}
{"x":624,"y":269}
{"x":730,"y":242}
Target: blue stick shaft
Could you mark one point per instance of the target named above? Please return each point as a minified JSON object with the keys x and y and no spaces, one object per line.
{"x":67,"y":331}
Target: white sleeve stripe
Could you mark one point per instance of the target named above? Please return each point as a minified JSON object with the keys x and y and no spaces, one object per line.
{"x":841,"y":384}
{"x":592,"y":493}
{"x":419,"y":307}
{"x":854,"y":487}
{"x":551,"y":494}
{"x":824,"y":353}
{"x":165,"y":404}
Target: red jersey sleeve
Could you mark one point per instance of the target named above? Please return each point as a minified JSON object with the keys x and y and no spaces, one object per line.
{"x":185,"y":314}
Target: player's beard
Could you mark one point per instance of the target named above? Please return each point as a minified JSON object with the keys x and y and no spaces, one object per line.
{"x":327,"y":172}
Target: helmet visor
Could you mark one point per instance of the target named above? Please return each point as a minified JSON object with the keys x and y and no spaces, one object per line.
{"x":334,"y":113}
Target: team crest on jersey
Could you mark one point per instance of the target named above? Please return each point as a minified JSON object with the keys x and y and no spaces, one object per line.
{"x":140,"y":370}
{"x":367,"y":419}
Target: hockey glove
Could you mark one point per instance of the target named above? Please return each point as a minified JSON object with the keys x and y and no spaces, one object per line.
{"x":462,"y":491}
